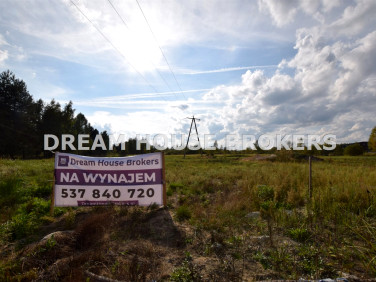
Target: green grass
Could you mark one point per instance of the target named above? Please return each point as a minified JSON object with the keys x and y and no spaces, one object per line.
{"x":220,"y":192}
{"x":25,"y":191}
{"x":333,"y":231}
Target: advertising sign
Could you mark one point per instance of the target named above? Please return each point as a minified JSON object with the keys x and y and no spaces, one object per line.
{"x":93,"y":181}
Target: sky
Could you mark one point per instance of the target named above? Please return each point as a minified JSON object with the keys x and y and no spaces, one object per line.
{"x":241,"y":67}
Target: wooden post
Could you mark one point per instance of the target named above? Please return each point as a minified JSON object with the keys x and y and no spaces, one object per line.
{"x":53,"y":197}
{"x":52,"y":207}
{"x":164,"y":180}
{"x":310,"y":177}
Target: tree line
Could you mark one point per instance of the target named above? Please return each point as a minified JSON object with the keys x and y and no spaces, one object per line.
{"x":24,"y":121}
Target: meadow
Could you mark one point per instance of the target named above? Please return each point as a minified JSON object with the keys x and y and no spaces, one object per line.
{"x":228,"y":218}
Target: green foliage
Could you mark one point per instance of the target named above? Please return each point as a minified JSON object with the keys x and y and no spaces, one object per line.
{"x":262,"y":258}
{"x":9,"y":190}
{"x":23,"y":121}
{"x":372,"y":140}
{"x":36,"y":206}
{"x":265,"y":193}
{"x":176,"y":186}
{"x":299,"y":234}
{"x":220,"y":196}
{"x":354,"y":150}
{"x":186,"y":272}
{"x":42,"y":190}
{"x":365,"y":232}
{"x":20,"y":226}
{"x":183,"y":213}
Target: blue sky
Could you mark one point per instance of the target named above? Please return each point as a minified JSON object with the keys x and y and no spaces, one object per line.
{"x":242,"y":67}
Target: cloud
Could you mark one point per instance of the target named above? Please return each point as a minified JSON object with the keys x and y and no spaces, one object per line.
{"x":3,"y":41}
{"x":332,"y":88}
{"x":70,"y":36}
{"x":285,"y":12}
{"x":3,"y":56}
{"x":282,"y":12}
{"x":182,"y":107}
{"x":327,"y":83}
{"x":3,"y":53}
{"x":193,"y":72}
{"x":355,"y":19}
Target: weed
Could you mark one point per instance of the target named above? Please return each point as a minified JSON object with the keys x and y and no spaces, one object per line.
{"x":366,"y":233}
{"x":70,"y":219}
{"x":21,"y":226}
{"x":299,"y":234}
{"x":265,"y":193}
{"x":262,"y":258}
{"x":183,"y":213}
{"x":9,"y":190}
{"x":186,"y":272}
{"x":176,"y":186}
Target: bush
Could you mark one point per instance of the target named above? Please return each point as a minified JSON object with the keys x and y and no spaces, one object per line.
{"x":9,"y":190}
{"x":42,"y":191}
{"x":299,"y":234}
{"x":354,"y":150}
{"x":183,"y":213}
{"x":265,"y":193}
{"x":36,"y":206}
{"x":20,"y":226}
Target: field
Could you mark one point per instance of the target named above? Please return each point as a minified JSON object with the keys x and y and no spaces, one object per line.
{"x":229,"y":218}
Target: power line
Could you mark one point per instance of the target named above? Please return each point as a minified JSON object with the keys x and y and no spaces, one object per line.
{"x":117,"y":13}
{"x":190,"y":129}
{"x":115,"y":48}
{"x":164,"y":80}
{"x":155,"y":38}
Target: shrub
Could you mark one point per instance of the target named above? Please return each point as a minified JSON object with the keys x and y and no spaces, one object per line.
{"x":42,"y":191}
{"x":265,"y":193}
{"x":9,"y":190}
{"x":186,"y":272}
{"x":21,"y":225}
{"x":37,"y":206}
{"x":183,"y":213}
{"x":299,"y":234}
{"x":354,"y":150}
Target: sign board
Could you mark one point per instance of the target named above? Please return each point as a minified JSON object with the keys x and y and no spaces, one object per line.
{"x":92,"y":181}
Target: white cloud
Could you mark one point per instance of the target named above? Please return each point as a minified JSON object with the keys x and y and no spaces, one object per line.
{"x":281,"y":11}
{"x":355,"y":19}
{"x":3,"y":41}
{"x":332,"y":89}
{"x":3,"y":53}
{"x":328,"y":85}
{"x":194,"y":72}
{"x":3,"y":56}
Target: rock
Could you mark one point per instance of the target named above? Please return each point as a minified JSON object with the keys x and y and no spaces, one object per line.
{"x":57,"y":234}
{"x":263,"y":238}
{"x":255,"y":214}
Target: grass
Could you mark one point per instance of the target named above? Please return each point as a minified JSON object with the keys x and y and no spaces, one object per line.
{"x":344,"y":193}
{"x":333,"y":232}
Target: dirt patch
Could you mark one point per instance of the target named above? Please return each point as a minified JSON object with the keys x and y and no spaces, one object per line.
{"x":138,"y":244}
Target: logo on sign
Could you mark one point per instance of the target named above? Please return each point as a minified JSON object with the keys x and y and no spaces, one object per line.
{"x":63,"y":160}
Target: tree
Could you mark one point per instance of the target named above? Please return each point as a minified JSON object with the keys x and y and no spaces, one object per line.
{"x":354,"y":150}
{"x":215,"y":145}
{"x":18,"y":116}
{"x":372,"y":140}
{"x":24,"y":122}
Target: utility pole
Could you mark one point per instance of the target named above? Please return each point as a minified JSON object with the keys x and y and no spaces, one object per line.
{"x":190,"y":129}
